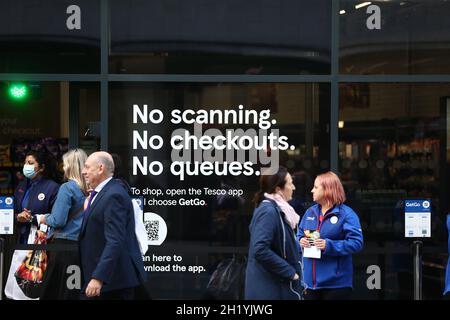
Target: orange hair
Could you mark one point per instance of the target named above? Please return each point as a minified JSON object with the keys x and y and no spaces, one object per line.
{"x":332,"y":186}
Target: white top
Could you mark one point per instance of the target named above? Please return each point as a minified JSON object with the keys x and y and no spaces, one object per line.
{"x":100,"y":187}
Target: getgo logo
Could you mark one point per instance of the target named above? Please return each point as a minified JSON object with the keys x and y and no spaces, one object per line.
{"x":426,"y":204}
{"x":413,"y":204}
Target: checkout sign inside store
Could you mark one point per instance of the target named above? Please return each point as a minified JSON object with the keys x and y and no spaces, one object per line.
{"x":417,"y":218}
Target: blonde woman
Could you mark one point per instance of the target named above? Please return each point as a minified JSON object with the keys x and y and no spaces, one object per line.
{"x":65,"y":224}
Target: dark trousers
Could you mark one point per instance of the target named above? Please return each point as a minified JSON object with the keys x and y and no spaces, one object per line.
{"x":328,"y":294}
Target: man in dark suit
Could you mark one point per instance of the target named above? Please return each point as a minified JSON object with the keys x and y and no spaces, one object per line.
{"x":111,"y":261}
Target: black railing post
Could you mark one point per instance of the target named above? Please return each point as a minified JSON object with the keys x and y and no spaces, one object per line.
{"x":418,"y":270}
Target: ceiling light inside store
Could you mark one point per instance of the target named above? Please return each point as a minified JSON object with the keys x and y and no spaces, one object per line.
{"x":363,"y":4}
{"x":342,"y":12}
{"x":341,"y":124}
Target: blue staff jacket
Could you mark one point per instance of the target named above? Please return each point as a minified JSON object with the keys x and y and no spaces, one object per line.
{"x":41,"y":198}
{"x":342,"y":231}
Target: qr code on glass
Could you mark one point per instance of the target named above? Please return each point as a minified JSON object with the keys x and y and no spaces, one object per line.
{"x":152,"y":228}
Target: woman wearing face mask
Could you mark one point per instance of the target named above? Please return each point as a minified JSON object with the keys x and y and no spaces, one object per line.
{"x":273,"y":269}
{"x":37,"y":193}
{"x":335,"y":230}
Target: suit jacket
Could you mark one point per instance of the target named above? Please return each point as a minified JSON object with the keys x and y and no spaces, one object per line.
{"x":109,"y":250}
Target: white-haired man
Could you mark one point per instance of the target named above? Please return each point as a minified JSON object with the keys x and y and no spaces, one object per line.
{"x":111,"y":261}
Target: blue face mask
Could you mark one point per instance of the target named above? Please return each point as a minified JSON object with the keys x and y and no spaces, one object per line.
{"x":28,"y":171}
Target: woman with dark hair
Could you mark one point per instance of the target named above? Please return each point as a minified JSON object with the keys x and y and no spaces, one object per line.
{"x":37,"y":192}
{"x":273,"y":269}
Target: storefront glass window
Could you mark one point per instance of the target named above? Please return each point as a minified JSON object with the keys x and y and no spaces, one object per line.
{"x":393,"y":147}
{"x":87,"y":97}
{"x":26,"y":126}
{"x":40,"y":115}
{"x":393,"y":138}
{"x":220,"y":37}
{"x":43,"y":118}
{"x":208,"y":232}
{"x":394,"y":37}
{"x":49,"y":36}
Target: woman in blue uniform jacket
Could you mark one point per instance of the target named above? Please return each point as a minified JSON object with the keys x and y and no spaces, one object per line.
{"x":37,"y":193}
{"x":273,"y":268}
{"x":334,"y":228}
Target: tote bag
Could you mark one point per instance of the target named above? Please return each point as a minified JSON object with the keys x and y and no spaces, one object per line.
{"x":27,"y":269}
